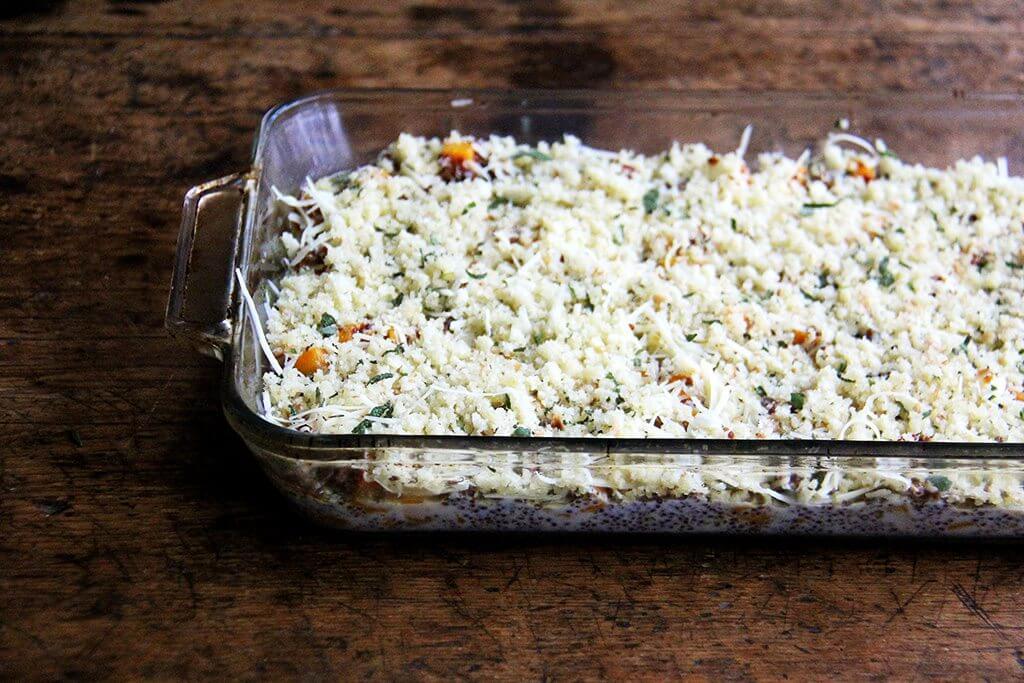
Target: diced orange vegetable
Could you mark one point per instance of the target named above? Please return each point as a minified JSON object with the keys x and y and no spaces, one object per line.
{"x":985,"y":375}
{"x":863,"y":170}
{"x":685,"y":379}
{"x":311,"y":360}
{"x":800,"y":337}
{"x":459,"y":152}
{"x":346,"y":332}
{"x":1019,"y":395}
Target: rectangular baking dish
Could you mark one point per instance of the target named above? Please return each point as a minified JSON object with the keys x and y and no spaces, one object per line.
{"x":596,"y":484}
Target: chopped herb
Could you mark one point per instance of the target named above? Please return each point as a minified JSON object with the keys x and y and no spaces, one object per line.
{"x":519,"y":349}
{"x":823,"y":279}
{"x":926,"y":413}
{"x":940,"y":482}
{"x":760,"y":391}
{"x":388,"y":234}
{"x":810,"y":206}
{"x":328,"y":325}
{"x":507,"y":405}
{"x":712,"y":321}
{"x":475,"y":276}
{"x":619,"y":238}
{"x":965,"y":343}
{"x":809,"y":297}
{"x":468,"y":208}
{"x":841,"y":370}
{"x":651,"y":200}
{"x":383,"y":410}
{"x":341,"y":181}
{"x":618,"y":389}
{"x":687,"y":296}
{"x":498,"y":201}
{"x":797,"y":399}
{"x":885,"y":277}
{"x":397,"y":301}
{"x":521,"y":431}
{"x":380,"y":378}
{"x":732,"y":222}
{"x":691,"y":337}
{"x":888,"y":153}
{"x":532,"y":154}
{"x":397,"y":349}
{"x":1015,"y":266}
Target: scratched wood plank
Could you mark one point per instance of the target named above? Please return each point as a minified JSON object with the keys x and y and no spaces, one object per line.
{"x":137,"y":539}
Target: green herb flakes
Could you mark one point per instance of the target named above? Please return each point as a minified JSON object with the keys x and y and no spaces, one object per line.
{"x":885,"y":276}
{"x":651,"y":200}
{"x":327,"y":326}
{"x":481,"y":276}
{"x":534,"y":154}
{"x":940,"y":482}
{"x":521,"y":432}
{"x":384,"y":410}
{"x":811,"y":206}
{"x":797,"y":400}
{"x":380,"y":378}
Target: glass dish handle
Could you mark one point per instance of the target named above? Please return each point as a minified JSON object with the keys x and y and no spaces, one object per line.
{"x":199,"y":308}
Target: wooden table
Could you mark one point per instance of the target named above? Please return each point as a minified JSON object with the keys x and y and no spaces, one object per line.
{"x":138,"y":539}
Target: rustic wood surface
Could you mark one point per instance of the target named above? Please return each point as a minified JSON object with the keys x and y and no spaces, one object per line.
{"x":138,"y":539}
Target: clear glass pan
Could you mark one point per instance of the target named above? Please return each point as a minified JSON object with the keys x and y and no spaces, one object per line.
{"x":529,"y":484}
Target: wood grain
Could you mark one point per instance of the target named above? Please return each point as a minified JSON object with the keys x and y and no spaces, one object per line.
{"x":137,"y":539}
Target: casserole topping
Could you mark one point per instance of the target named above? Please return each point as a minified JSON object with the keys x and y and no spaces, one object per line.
{"x":488,"y":287}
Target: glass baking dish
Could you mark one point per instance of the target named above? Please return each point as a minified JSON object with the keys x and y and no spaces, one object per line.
{"x":596,"y":484}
